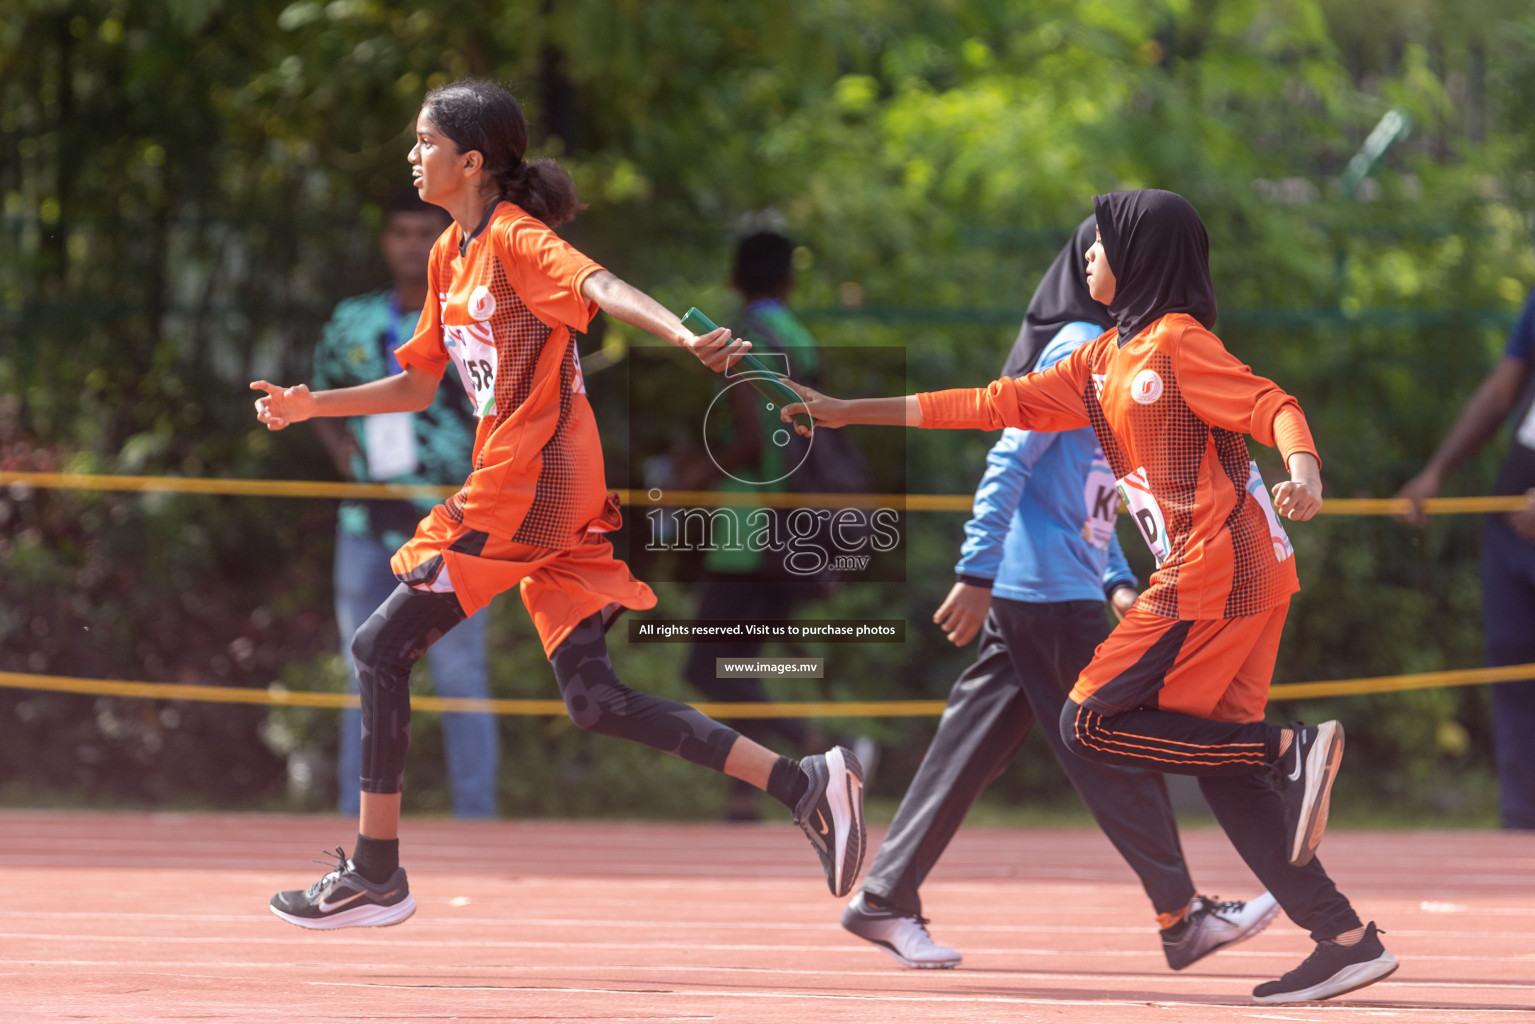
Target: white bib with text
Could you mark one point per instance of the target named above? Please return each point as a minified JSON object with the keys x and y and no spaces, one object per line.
{"x":1145,"y":512}
{"x":1260,"y":493}
{"x":473,"y":349}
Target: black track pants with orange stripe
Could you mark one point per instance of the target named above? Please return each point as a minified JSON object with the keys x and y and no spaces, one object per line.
{"x":1165,"y":741}
{"x":1186,"y":697}
{"x":1233,"y":761}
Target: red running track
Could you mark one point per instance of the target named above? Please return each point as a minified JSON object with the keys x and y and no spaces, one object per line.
{"x":162,"y":917}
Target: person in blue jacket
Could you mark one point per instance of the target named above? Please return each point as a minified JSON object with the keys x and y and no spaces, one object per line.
{"x":1040,"y":558}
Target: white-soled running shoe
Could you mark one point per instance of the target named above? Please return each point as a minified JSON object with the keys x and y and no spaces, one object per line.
{"x":902,"y":935}
{"x":1212,"y":924}
{"x":831,"y":815}
{"x":1306,"y":774}
{"x":344,"y":899}
{"x":1331,"y":970}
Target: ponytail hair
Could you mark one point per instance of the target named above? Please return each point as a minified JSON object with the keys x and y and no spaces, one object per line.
{"x":543,"y":188}
{"x":480,"y":115}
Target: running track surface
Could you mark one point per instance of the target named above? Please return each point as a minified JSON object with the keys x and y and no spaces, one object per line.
{"x":133,"y":917}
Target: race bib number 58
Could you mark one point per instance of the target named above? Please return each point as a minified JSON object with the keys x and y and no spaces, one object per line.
{"x":1145,"y":512}
{"x":473,"y":349}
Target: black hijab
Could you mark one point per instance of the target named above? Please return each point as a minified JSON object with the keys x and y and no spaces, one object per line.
{"x":1061,"y":298}
{"x":1160,"y":255}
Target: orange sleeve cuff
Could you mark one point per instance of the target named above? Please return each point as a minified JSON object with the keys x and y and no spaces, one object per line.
{"x":1291,"y":433}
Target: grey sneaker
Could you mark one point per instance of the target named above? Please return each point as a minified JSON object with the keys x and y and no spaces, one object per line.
{"x":1307,"y":772}
{"x":344,"y":899}
{"x":1211,"y":925}
{"x":831,"y":815}
{"x":902,"y":935}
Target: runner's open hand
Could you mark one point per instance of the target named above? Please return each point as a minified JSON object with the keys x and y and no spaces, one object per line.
{"x":282,"y":406}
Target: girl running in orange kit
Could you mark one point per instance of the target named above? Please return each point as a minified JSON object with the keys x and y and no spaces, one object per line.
{"x":506,"y":295}
{"x":1181,"y":684}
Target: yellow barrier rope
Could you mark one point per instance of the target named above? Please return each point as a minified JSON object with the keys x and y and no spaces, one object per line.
{"x":636,"y":498}
{"x":280,"y":696}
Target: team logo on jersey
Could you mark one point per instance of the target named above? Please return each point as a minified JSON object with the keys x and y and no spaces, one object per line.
{"x":482,"y":304}
{"x":1146,"y":387}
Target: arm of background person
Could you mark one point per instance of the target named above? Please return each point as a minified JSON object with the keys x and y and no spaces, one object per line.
{"x":1479,"y":420}
{"x":1120,"y":587}
{"x":1008,"y":467}
{"x":339,"y":444}
{"x":698,"y":468}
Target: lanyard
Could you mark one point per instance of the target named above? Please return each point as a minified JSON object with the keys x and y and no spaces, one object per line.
{"x":392,"y":336}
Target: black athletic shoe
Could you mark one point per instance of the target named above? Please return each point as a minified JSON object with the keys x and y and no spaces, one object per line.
{"x":1306,"y":775}
{"x":344,"y":899}
{"x":1213,"y":924}
{"x":1331,"y":971}
{"x":831,"y":814}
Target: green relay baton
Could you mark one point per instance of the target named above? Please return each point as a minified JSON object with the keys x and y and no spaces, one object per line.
{"x":763,"y":379}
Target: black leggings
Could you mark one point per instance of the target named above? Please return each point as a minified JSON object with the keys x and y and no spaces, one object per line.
{"x":410,"y":621}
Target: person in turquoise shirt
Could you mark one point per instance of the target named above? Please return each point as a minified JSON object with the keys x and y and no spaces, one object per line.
{"x":429,"y":447}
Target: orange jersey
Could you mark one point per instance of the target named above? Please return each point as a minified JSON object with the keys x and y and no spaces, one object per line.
{"x":504,"y":311}
{"x":1169,"y":410}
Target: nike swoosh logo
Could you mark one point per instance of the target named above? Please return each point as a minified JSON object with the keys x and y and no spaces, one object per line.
{"x":326,"y":907}
{"x":1296,"y":773}
{"x":824,"y":827}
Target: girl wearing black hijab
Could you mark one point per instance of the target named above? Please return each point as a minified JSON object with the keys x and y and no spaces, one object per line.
{"x":1040,"y":558}
{"x":1181,"y":684}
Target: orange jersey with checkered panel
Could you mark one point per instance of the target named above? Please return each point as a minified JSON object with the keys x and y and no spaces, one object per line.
{"x":507,"y":303}
{"x":1170,"y":409}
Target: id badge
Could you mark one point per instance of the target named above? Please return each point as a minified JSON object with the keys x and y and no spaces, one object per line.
{"x":391,"y":444}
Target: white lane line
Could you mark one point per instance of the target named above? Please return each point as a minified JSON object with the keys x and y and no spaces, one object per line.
{"x":452,"y":920}
{"x":870,"y":997}
{"x":849,"y":947}
{"x":813,"y":973}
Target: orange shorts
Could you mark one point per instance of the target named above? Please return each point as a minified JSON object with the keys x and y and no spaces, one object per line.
{"x":560,"y":586}
{"x":1207,"y":668}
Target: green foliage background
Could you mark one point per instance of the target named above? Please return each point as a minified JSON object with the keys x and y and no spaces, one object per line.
{"x":190,"y":185}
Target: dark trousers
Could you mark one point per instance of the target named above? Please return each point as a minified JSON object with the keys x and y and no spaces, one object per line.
{"x":1508,"y":609}
{"x":1028,"y":659}
{"x":1234,"y":764}
{"x":1251,"y":813}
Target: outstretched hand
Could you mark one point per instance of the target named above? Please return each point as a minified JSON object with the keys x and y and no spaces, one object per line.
{"x":1416,"y":491}
{"x":823,"y":410}
{"x":282,"y":406}
{"x":717,"y":350}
